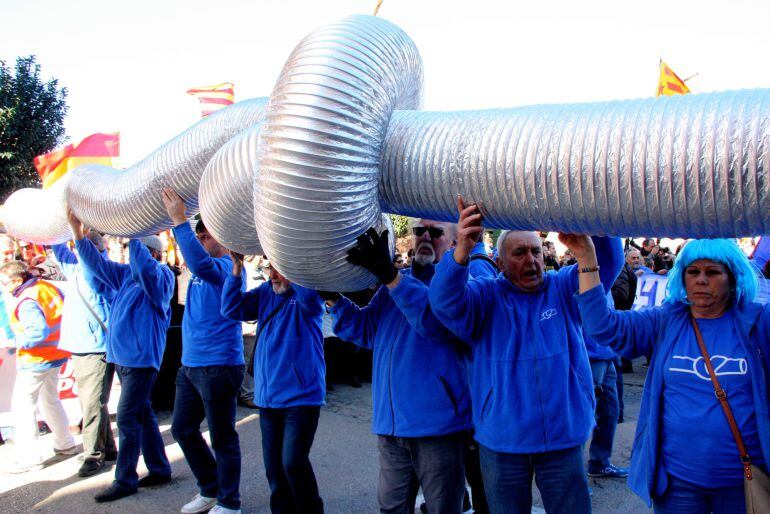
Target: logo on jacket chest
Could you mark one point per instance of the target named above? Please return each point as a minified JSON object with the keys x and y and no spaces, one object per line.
{"x":548,"y":314}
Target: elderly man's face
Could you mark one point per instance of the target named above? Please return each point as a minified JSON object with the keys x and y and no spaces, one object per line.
{"x":279,"y":282}
{"x":521,"y":260}
{"x":634,"y":259}
{"x":431,"y":240}
{"x":7,"y":250}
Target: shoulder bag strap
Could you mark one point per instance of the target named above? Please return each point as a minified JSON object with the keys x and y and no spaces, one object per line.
{"x":88,"y":305}
{"x":262,"y":326}
{"x":722,"y":397}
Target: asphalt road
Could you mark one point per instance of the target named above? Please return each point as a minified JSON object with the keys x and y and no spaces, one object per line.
{"x":344,"y":457}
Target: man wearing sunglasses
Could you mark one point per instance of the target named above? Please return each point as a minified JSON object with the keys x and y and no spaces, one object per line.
{"x":420,"y":400}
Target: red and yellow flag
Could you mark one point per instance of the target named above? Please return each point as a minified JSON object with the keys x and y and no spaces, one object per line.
{"x":669,"y":83}
{"x":95,"y":149}
{"x":213,"y":98}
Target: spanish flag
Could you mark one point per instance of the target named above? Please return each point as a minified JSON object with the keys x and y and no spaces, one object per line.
{"x":669,"y":83}
{"x":213,"y":98}
{"x":95,"y":149}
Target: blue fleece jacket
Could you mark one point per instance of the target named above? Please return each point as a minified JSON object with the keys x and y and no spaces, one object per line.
{"x":596,"y":350}
{"x":208,"y":338}
{"x":531,"y":384}
{"x":419,"y":384}
{"x":656,"y":330}
{"x":141,"y":305}
{"x":81,"y":332}
{"x":289,"y":367}
{"x":479,"y":266}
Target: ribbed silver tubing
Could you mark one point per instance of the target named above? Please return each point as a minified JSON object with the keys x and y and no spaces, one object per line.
{"x":320,"y":146}
{"x":128,"y":203}
{"x":38,"y":215}
{"x":689,"y":166}
{"x":226,"y":193}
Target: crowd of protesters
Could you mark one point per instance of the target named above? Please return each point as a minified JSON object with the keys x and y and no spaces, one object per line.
{"x":489,"y":363}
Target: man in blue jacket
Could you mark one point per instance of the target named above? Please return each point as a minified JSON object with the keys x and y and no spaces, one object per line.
{"x":420,"y":393}
{"x":136,"y":340}
{"x":212,"y":369}
{"x":84,"y":334}
{"x":289,"y":385}
{"x":531,"y":382}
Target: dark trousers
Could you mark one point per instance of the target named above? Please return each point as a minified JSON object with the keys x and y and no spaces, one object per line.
{"x":473,"y":475}
{"x":93,"y":375}
{"x":559,"y":476}
{"x":210,"y":393}
{"x":605,"y":381}
{"x":435,"y":462}
{"x":287,"y":436}
{"x":683,"y":497}
{"x":619,"y":384}
{"x":138,"y":428}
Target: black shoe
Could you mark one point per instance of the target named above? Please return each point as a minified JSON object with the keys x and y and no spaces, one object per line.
{"x":111,"y":456}
{"x":620,"y":420}
{"x":154,"y":479}
{"x":90,"y":468}
{"x":249,"y":404}
{"x":112,"y":493}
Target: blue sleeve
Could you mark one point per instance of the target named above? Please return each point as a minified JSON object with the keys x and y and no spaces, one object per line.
{"x":214,"y":271}
{"x":155,"y":279}
{"x":411,"y":298}
{"x":458,"y":303}
{"x":630,"y":333}
{"x":480,"y":268}
{"x":358,"y":325}
{"x":32,"y":319}
{"x":110,"y":273}
{"x":308,"y":300}
{"x":236,"y":304}
{"x":609,"y":254}
{"x":66,"y":258}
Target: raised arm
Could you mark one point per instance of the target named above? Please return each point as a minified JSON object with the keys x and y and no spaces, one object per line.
{"x":155,"y":279}
{"x":236,"y":304}
{"x":66,"y":258}
{"x":354,"y":324}
{"x":109,"y":273}
{"x":309,"y":300}
{"x":411,"y":298}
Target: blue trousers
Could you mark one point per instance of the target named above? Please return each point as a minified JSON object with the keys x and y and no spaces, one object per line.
{"x":683,"y":497}
{"x":210,"y":393}
{"x":138,"y":428}
{"x":287,"y":436}
{"x":607,"y":410}
{"x":559,"y":476}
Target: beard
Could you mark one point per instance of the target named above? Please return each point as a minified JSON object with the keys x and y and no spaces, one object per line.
{"x":423,"y":259}
{"x":279,"y":288}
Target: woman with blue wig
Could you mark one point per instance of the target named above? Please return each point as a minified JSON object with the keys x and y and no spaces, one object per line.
{"x":685,"y":458}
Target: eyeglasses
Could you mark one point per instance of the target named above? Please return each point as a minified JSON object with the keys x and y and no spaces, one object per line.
{"x":435,"y":232}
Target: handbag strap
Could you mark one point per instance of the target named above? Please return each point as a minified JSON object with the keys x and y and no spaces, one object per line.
{"x":721,"y":395}
{"x":88,"y":305}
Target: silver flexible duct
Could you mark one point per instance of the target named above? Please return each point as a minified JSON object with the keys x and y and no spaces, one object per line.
{"x":319,"y":150}
{"x":226,"y":193}
{"x":694,"y":165}
{"x":38,"y":215}
{"x":127,"y":202}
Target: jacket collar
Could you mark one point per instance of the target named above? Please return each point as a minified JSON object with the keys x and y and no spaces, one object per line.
{"x":29,"y":283}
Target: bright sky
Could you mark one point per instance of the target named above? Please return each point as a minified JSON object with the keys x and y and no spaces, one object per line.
{"x":127,"y":65}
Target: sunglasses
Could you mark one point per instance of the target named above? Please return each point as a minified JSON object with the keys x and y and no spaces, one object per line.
{"x":435,"y":232}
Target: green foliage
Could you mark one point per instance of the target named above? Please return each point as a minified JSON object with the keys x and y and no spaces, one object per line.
{"x":31,"y":122}
{"x":400,"y":224}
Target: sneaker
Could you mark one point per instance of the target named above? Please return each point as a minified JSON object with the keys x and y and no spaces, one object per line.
{"x":90,"y":467}
{"x":72,"y":450}
{"x":199,"y":504}
{"x":609,"y":471}
{"x":112,"y":493}
{"x":154,"y":479}
{"x":218,"y":509}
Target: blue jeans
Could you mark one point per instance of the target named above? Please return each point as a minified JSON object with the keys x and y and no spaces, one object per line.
{"x":210,"y":393}
{"x":559,"y":476}
{"x":683,"y":497}
{"x":607,"y":410}
{"x":287,"y":436}
{"x":138,"y":428}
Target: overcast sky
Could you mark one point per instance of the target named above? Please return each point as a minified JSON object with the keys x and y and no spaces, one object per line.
{"x":127,"y":65}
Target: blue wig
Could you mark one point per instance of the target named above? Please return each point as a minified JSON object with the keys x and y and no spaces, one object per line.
{"x":723,"y":251}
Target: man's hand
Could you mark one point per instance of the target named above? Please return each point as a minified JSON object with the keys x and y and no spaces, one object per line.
{"x":373,"y":253}
{"x":469,"y":230}
{"x":75,"y":225}
{"x":175,"y":206}
{"x":580,"y":246}
{"x":237,"y":263}
{"x":329,"y":297}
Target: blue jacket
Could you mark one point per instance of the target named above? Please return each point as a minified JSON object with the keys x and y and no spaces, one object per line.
{"x":208,"y":338}
{"x":141,"y":305}
{"x":81,"y":332}
{"x":419,"y":384}
{"x":36,"y":331}
{"x":655,"y":330}
{"x":481,"y":267}
{"x":596,"y":350}
{"x":289,"y":367}
{"x":531,"y":382}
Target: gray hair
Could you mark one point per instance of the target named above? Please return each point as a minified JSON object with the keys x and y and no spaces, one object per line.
{"x":14,"y":269}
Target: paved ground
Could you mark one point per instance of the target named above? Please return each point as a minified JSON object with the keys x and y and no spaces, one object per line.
{"x":344,"y":457}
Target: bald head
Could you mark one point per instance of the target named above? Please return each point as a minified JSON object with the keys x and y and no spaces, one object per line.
{"x":520,"y":257}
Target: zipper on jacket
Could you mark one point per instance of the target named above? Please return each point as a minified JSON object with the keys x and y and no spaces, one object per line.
{"x":536,"y":362}
{"x":390,"y":380}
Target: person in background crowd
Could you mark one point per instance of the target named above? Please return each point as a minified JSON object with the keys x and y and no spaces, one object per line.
{"x":212,"y":369}
{"x":139,"y":318}
{"x":7,"y":248}
{"x":710,"y":295}
{"x":420,"y":414}
{"x":398,"y":261}
{"x":35,"y":318}
{"x":288,"y":368}
{"x":549,"y":256}
{"x":409,"y":257}
{"x":85,"y":319}
{"x":524,"y":331}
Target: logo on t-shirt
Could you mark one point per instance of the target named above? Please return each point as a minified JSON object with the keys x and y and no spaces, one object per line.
{"x":722,"y":366}
{"x":548,"y":314}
